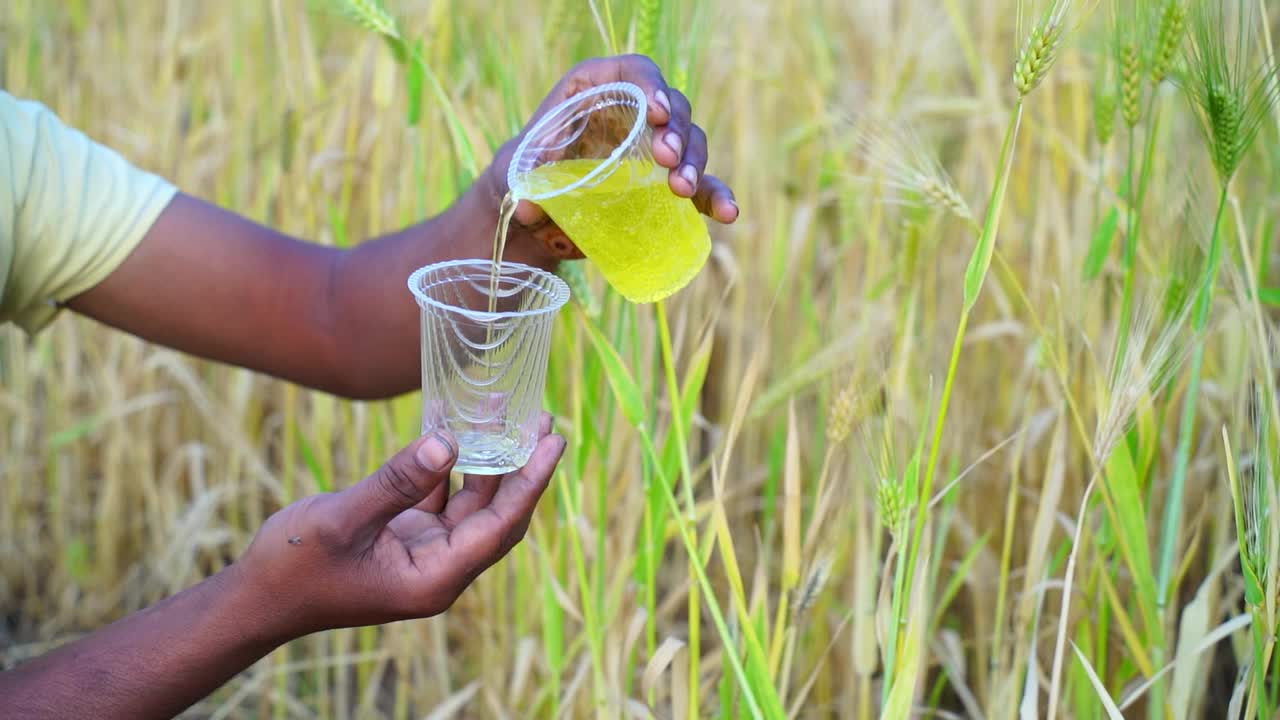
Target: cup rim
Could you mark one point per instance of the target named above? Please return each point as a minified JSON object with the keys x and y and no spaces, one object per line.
{"x":558,"y":295}
{"x":642,"y":119}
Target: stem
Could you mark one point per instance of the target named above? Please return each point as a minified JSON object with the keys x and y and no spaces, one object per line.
{"x":1006,"y":559}
{"x":686,"y":474}
{"x":686,"y":533}
{"x":986,"y":245}
{"x":1136,"y":202}
{"x":1173,"y":506}
{"x":1130,"y":254}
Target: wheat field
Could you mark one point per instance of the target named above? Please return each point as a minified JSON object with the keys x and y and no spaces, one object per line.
{"x":971,"y":414}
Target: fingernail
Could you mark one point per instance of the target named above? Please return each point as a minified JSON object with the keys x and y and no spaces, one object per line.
{"x":436,"y":453}
{"x":673,"y":141}
{"x":690,"y":175}
{"x":660,"y":97}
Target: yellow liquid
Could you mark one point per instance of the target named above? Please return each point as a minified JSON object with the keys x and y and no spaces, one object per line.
{"x":505,"y":212}
{"x":647,"y":241}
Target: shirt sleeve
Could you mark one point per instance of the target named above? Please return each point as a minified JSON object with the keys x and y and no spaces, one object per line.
{"x":71,"y":211}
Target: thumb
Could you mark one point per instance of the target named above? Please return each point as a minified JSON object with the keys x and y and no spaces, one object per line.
{"x":401,"y":483}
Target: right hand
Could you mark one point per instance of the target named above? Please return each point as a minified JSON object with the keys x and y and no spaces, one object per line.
{"x":394,"y":546}
{"x":679,"y":145}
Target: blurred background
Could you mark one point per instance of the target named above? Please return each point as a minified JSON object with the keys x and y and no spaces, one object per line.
{"x":806,"y":538}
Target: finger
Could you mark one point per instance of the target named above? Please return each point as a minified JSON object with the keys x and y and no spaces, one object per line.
{"x":556,"y":243}
{"x":478,"y":490}
{"x":671,"y":140}
{"x":436,"y":499}
{"x":401,"y":483}
{"x":635,"y":69}
{"x":684,"y":179}
{"x":482,"y":537}
{"x":715,"y":200}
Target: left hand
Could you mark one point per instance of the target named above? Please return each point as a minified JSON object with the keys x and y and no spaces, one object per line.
{"x":678,"y":144}
{"x":394,"y":546}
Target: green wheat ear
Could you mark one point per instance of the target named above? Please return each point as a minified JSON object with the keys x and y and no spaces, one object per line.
{"x":647,"y":15}
{"x":1233,"y":96}
{"x":1169,"y":32}
{"x":369,"y":14}
{"x":1104,"y":104}
{"x":1041,"y":49}
{"x":1130,"y":83}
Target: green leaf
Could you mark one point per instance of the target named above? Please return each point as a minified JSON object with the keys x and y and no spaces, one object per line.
{"x":1130,"y":521}
{"x":398,"y":48}
{"x":981,"y":259}
{"x":1113,"y":712}
{"x":76,"y":557}
{"x":694,"y":377}
{"x":413,"y":84}
{"x":323,"y":482}
{"x":338,"y":223}
{"x":956,"y":582}
{"x":1269,"y":296}
{"x":621,"y":382}
{"x":902,"y":691}
{"x":1100,"y":246}
{"x":1252,"y":585}
{"x":76,"y":432}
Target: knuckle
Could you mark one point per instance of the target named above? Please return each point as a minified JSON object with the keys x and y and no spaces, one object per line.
{"x":329,"y":527}
{"x":639,"y":62}
{"x":398,"y":483}
{"x":586,"y":66}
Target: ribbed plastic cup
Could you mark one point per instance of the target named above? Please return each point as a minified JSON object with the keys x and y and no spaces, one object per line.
{"x":483,"y":373}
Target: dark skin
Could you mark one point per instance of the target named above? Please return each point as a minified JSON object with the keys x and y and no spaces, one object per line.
{"x":394,"y":546}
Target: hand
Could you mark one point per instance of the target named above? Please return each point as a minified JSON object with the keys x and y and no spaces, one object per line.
{"x":394,"y":546}
{"x":678,"y":144}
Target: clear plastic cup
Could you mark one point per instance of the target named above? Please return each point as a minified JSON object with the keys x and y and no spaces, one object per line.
{"x":589,"y":164}
{"x":483,"y":373}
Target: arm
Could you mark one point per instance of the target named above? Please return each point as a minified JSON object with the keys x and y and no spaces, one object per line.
{"x":152,"y":664}
{"x":385,"y":549}
{"x":214,"y":284}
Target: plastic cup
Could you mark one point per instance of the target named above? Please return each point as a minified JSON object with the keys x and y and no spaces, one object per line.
{"x":483,"y":373}
{"x":589,"y":164}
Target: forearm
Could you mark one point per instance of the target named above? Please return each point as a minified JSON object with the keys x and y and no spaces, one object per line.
{"x":152,"y":664}
{"x":211,"y":283}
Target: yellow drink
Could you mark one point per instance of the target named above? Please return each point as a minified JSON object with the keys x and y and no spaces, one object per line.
{"x":648,"y":241}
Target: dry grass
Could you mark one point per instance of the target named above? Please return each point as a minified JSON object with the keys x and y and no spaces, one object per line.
{"x":128,"y":471}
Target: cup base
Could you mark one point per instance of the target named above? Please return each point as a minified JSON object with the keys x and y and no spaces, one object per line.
{"x":484,"y":469}
{"x":481,"y":453}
